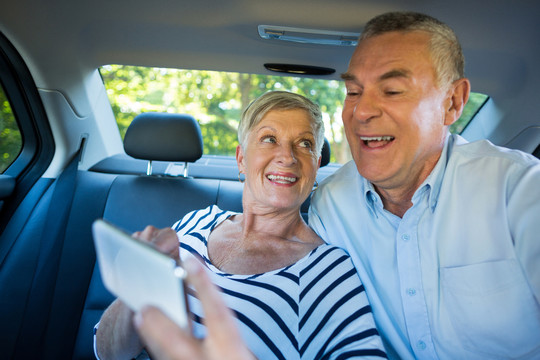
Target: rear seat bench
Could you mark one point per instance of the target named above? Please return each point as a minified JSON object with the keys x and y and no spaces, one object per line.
{"x":122,"y":195}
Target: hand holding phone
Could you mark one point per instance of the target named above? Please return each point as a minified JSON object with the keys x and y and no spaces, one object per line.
{"x":139,"y":274}
{"x":164,"y":240}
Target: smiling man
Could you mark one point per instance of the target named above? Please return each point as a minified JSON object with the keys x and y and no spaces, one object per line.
{"x":444,"y":233}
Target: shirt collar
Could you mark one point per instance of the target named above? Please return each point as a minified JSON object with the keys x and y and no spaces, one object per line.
{"x":371,"y":196}
{"x":433,"y":182}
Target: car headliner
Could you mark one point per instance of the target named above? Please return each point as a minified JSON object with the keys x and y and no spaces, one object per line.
{"x":64,"y":41}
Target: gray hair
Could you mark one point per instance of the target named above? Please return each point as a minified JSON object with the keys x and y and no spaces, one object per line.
{"x":446,"y":52}
{"x":281,"y":100}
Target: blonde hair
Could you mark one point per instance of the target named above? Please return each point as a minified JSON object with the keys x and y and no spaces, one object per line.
{"x":281,"y":100}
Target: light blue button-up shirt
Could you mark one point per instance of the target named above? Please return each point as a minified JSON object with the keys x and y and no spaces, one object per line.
{"x":458,"y":277}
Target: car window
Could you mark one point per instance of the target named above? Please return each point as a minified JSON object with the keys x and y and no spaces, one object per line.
{"x":216,"y":100}
{"x":10,"y":136}
{"x":474,"y":105}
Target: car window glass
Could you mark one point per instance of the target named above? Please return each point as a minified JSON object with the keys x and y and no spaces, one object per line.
{"x":10,"y":136}
{"x":475,"y":103}
{"x":216,"y":100}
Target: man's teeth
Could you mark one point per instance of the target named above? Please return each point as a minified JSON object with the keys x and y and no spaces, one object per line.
{"x":377,"y":138}
{"x":281,"y":179}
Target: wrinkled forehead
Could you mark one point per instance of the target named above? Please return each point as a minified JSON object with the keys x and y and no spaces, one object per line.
{"x":286,"y":119}
{"x":399,"y":42}
{"x":402,"y":52}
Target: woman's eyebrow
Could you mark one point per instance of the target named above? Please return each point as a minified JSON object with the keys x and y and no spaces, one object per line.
{"x":265,"y":127}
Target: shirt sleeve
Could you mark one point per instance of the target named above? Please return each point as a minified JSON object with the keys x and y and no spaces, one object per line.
{"x":336,"y":318}
{"x":524,"y":221}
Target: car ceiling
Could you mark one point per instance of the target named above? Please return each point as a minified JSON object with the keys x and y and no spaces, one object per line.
{"x":499,"y":38}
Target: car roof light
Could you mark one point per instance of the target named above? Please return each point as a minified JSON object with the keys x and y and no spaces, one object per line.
{"x":308,"y":36}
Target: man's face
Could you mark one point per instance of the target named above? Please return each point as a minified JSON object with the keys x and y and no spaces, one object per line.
{"x":394,"y":113}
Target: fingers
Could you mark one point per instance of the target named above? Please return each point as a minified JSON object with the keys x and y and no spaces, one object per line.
{"x":165,"y":240}
{"x":163,"y":338}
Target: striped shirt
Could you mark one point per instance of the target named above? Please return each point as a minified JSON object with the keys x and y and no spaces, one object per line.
{"x":315,"y":308}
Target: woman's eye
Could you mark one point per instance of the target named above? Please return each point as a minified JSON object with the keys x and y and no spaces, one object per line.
{"x":306,"y":144}
{"x":268,"y":139}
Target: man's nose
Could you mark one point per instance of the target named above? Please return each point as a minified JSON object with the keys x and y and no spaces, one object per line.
{"x":366,"y":107}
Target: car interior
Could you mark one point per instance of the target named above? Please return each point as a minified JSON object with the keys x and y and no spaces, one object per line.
{"x":71,"y":164}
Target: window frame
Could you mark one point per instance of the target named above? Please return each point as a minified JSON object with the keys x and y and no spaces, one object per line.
{"x":37,"y":140}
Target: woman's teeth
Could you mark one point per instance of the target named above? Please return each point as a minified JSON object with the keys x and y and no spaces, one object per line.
{"x":282,"y":179}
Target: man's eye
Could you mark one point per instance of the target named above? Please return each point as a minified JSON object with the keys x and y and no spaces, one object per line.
{"x":353,"y":94}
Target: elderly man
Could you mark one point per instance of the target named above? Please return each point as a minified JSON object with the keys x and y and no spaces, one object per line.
{"x":444,"y":233}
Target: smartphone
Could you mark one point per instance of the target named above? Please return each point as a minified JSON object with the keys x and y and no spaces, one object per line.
{"x":139,"y":274}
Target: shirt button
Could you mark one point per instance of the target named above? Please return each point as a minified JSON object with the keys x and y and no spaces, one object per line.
{"x":411,"y":292}
{"x":421,"y":345}
{"x":405,"y":237}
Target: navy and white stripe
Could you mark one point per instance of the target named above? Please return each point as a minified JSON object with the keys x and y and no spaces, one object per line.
{"x":314,"y":309}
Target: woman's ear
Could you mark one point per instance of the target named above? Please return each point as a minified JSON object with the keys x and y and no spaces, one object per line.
{"x":458,"y":97}
{"x":240,"y":158}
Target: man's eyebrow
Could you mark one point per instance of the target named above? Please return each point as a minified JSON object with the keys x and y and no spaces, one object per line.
{"x":395,"y":74}
{"x":347,"y":76}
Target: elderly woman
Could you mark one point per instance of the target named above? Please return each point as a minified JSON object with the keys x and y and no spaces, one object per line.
{"x":294,"y":296}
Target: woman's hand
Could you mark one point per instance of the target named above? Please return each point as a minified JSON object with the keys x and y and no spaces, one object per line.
{"x":165,"y":240}
{"x":165,"y":340}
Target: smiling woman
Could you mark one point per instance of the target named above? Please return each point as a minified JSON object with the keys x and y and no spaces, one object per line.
{"x":294,"y":296}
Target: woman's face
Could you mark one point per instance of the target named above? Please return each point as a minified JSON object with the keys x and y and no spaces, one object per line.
{"x":279,"y":161}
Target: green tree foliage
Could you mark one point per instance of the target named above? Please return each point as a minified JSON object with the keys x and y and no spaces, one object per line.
{"x":10,"y":136}
{"x":215,"y":99}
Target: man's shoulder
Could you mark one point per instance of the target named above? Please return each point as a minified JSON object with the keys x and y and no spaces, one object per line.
{"x":340,"y":187}
{"x":345,"y":174}
{"x":492,"y":165}
{"x":487,"y":151}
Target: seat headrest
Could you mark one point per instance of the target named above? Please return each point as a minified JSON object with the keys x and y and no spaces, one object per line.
{"x":325,"y":153}
{"x":164,"y":137}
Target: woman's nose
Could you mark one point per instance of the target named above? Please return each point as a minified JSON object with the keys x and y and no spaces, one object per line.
{"x":286,"y":154}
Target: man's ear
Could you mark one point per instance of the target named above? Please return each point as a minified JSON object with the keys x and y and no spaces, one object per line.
{"x":457,"y":98}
